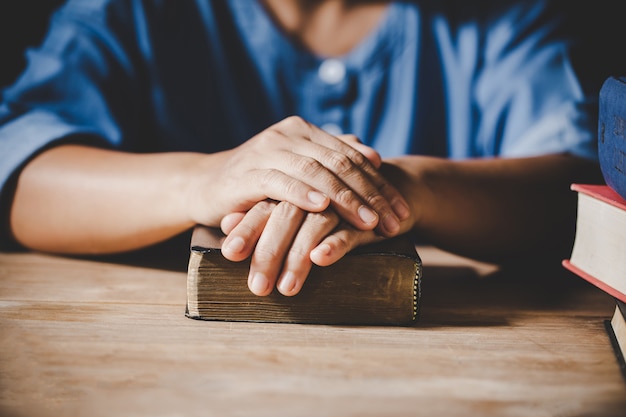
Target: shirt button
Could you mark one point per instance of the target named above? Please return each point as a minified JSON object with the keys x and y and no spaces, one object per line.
{"x":332,"y":71}
{"x":332,"y":129}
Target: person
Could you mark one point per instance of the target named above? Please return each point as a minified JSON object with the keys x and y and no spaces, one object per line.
{"x":301,"y":128}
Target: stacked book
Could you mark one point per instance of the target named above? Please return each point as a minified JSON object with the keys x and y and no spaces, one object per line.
{"x":599,"y":251}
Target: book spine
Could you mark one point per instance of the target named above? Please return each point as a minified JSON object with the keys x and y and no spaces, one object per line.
{"x":619,"y":356}
{"x":621,"y":305}
{"x":612,"y":133}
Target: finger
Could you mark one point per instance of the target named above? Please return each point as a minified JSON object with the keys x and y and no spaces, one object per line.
{"x":364,"y":183}
{"x":369,"y":152}
{"x":336,"y":245}
{"x":298,"y":263}
{"x":291,"y":168}
{"x":400,"y":207}
{"x":369,"y":164}
{"x":342,"y":196}
{"x":241,"y":240}
{"x":363,"y":200}
{"x":231,"y":220}
{"x":276,"y":185}
{"x":272,"y":246}
{"x":358,"y":192}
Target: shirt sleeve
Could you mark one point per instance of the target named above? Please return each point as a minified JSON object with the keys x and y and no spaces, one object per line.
{"x":78,"y":86}
{"x":528,"y":95}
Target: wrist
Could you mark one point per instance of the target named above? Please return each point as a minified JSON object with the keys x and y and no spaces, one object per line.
{"x":416,"y":178}
{"x":200,"y":189}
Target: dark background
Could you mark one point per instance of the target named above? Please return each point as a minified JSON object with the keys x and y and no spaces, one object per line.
{"x":23,"y":24}
{"x":598,"y":26}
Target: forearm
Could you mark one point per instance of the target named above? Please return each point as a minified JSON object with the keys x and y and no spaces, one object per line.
{"x":494,"y":209}
{"x":77,"y":199}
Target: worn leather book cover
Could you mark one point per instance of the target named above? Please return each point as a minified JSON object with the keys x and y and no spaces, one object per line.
{"x":377,"y":284}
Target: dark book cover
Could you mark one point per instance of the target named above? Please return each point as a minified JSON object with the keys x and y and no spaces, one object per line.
{"x":377,"y":284}
{"x":612,"y":133}
{"x":616,"y":349}
{"x":622,"y":307}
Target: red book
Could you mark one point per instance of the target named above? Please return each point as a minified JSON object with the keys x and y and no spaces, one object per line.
{"x":599,"y":251}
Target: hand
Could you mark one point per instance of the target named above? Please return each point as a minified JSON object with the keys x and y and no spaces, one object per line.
{"x":285,"y":242}
{"x":280,"y":237}
{"x":296,"y":162}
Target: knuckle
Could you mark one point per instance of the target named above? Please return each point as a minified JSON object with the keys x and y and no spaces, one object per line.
{"x":291,"y":188}
{"x":269,"y":178}
{"x":308,"y":165}
{"x":265,"y":255}
{"x":275,"y":182}
{"x":376,"y":200}
{"x":340,"y":163}
{"x":339,"y":242}
{"x":387,"y":190}
{"x":297,"y":253}
{"x":344,"y":196}
{"x":349,"y":137}
{"x":294,"y":122}
{"x":356,"y":157}
{"x":323,"y":218}
{"x":244,"y":229}
{"x":285,"y":209}
{"x":265,"y":207}
{"x":267,"y":137}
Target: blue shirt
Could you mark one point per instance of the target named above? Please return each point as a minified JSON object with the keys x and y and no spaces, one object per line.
{"x":199,"y":75}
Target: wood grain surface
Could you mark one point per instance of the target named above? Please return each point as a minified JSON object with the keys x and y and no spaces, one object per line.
{"x":108,"y":337}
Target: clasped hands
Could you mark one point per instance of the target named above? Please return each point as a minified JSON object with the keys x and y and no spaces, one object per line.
{"x":295,"y":196}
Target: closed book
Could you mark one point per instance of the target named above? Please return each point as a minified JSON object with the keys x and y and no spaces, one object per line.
{"x":377,"y":284}
{"x":616,"y":330}
{"x":622,"y":306}
{"x":612,"y":133}
{"x":598,"y":254}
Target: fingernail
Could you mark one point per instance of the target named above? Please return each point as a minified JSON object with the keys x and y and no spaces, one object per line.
{"x":236,"y":244}
{"x":367,"y":215}
{"x":391,"y":223}
{"x":401,"y":209}
{"x":316,"y":198}
{"x":258,"y":283}
{"x":287,"y":283}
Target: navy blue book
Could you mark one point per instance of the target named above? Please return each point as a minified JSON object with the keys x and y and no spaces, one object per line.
{"x":612,"y":133}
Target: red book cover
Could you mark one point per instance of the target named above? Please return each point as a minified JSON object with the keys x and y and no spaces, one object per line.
{"x":593,"y":280}
{"x":607,"y":194}
{"x":602,"y":192}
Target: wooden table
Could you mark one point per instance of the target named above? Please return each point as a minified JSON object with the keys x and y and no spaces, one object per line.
{"x":81,"y":337}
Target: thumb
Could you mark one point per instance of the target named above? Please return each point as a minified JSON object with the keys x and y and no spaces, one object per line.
{"x":231,"y":220}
